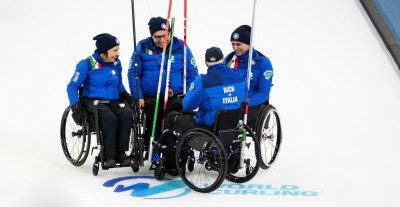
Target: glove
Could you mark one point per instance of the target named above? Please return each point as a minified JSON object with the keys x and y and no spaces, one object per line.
{"x":77,"y":113}
{"x":180,"y":98}
{"x":125,"y":96}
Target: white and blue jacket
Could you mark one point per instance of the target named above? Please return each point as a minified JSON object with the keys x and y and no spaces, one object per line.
{"x":149,"y":64}
{"x":100,"y":80}
{"x":260,"y":77}
{"x":221,"y":87}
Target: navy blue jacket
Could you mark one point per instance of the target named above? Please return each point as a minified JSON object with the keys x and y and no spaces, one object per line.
{"x":148,"y":61}
{"x":260,"y":77}
{"x":221,"y":87}
{"x":102,"y":80}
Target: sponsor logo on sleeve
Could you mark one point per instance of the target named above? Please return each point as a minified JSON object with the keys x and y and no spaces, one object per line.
{"x":76,"y":76}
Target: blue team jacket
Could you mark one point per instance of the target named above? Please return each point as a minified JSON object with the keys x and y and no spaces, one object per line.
{"x":148,"y":61}
{"x":260,"y":77}
{"x":221,"y":87}
{"x":102,"y":81}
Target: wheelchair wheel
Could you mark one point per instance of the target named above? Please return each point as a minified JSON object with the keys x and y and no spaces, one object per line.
{"x":201,"y":160}
{"x":75,"y":139}
{"x":250,"y":156}
{"x":269,"y":134}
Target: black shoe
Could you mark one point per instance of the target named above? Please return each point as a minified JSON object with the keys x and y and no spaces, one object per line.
{"x":172,"y":171}
{"x":123,"y":159}
{"x":109,"y":162}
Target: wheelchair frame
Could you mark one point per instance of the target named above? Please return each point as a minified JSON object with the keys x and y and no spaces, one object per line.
{"x":207,"y":153}
{"x":81,"y":136}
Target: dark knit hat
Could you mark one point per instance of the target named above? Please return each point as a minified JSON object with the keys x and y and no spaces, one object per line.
{"x":156,"y":24}
{"x":104,"y":42}
{"x":214,"y":54}
{"x":242,"y":34}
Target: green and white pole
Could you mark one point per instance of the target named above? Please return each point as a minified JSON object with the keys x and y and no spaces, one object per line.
{"x":168,"y":71}
{"x":150,"y":160}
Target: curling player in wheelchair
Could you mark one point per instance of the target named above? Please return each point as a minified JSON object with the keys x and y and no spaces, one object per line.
{"x":221,"y":87}
{"x":100,"y":75}
{"x":261,"y":70}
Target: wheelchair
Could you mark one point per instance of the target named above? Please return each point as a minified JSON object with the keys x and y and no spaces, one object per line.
{"x":268,"y":130}
{"x":75,"y":139}
{"x":205,"y":157}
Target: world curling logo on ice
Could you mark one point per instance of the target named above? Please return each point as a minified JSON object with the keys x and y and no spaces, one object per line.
{"x":148,"y":187}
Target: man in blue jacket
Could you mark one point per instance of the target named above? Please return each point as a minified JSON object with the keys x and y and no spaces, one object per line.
{"x":261,"y":70}
{"x":149,"y":56}
{"x":221,"y":87}
{"x":100,"y":75}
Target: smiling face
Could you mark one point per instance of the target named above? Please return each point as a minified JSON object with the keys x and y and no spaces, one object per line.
{"x":158,"y":38}
{"x":111,"y":55}
{"x":240,"y":48}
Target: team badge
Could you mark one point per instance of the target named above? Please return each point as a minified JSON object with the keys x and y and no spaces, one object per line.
{"x":191,"y":86}
{"x":113,"y":72}
{"x":163,"y":26}
{"x":193,"y":62}
{"x":235,"y":36}
{"x":268,"y":74}
{"x":117,"y":41}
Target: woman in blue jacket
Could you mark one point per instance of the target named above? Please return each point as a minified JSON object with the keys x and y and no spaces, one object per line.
{"x":100,"y":75}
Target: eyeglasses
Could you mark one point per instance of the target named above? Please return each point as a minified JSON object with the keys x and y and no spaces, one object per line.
{"x":158,"y":37}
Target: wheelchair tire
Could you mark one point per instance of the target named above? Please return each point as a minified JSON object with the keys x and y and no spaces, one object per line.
{"x":251,"y":158}
{"x":201,"y":160}
{"x":75,"y":139}
{"x":269,"y":133}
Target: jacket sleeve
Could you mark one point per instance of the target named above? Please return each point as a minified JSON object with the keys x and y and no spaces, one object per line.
{"x":191,"y":68}
{"x":121,"y":87}
{"x":194,"y":96}
{"x":132,"y":72}
{"x":264,"y":84}
{"x":76,"y":81}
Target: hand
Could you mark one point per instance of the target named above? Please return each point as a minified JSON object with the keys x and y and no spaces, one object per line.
{"x":77,"y":113}
{"x":141,"y":103}
{"x":125,"y":96}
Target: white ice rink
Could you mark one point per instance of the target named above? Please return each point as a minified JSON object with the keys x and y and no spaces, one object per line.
{"x":335,"y":85}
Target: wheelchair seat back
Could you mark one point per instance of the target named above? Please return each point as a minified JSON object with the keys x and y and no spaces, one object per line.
{"x":225,"y":125}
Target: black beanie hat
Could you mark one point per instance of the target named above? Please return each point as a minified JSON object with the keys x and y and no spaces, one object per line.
{"x":156,"y":24}
{"x":104,"y":42}
{"x":242,"y":34}
{"x":213,"y":54}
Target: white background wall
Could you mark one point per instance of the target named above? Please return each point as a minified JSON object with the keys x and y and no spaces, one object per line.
{"x":335,"y":84}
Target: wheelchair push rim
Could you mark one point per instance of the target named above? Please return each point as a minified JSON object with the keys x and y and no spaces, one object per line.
{"x":202,"y":165}
{"x":269,"y":133}
{"x":250,"y":156}
{"x":75,"y":139}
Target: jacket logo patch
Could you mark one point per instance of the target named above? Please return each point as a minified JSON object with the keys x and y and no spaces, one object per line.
{"x":191,"y":86}
{"x":193,"y":62}
{"x":113,"y":72}
{"x":268,"y":74}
